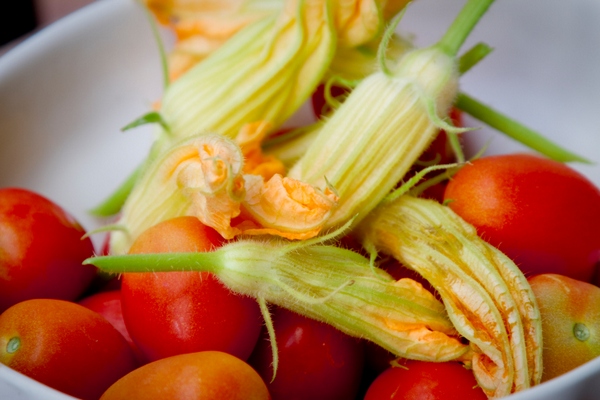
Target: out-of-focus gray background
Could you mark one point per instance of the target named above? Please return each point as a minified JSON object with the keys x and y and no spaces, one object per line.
{"x":23,"y":17}
{"x":49,"y":11}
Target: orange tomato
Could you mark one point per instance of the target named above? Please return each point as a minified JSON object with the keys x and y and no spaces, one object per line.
{"x":65,"y":346}
{"x":208,"y":375}
{"x":570,"y":312}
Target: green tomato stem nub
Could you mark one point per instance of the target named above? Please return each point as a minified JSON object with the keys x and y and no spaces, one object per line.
{"x":13,"y":345}
{"x":581,"y":332}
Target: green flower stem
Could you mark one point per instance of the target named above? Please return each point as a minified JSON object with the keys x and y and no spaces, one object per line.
{"x":515,"y":130}
{"x":161,"y":47}
{"x":472,"y":57}
{"x":164,"y":262}
{"x":462,"y":26}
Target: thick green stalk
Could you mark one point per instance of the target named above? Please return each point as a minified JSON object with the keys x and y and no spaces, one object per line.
{"x":472,"y":57}
{"x":462,"y":26}
{"x":515,"y":129}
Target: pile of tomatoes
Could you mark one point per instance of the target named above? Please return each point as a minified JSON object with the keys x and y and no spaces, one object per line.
{"x":184,"y":335}
{"x":163,"y":335}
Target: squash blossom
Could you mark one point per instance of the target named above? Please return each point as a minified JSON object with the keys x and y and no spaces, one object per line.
{"x":268,"y":69}
{"x":202,"y":26}
{"x":388,"y":120}
{"x":326,"y":283}
{"x":487,"y":297}
{"x":349,"y":66}
{"x":204,"y":176}
{"x":264,"y":72}
{"x":250,"y":86}
{"x":369,"y":143}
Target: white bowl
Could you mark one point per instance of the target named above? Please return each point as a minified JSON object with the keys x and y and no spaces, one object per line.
{"x":66,"y":92}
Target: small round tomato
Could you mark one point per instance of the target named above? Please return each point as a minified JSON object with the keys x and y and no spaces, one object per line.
{"x":570,"y":311}
{"x":187,"y":311}
{"x":64,"y":345}
{"x":316,"y":361}
{"x":207,"y":375}
{"x":41,"y":250}
{"x":421,"y":380}
{"x":108,"y":304}
{"x":541,"y":213}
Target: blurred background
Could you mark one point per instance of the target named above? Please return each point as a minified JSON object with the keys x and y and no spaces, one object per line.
{"x":20,"y":18}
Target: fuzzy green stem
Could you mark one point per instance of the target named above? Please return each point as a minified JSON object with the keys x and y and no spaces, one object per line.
{"x":152,"y":117}
{"x":264,"y":309}
{"x":462,"y":26}
{"x":161,"y":47}
{"x":515,"y":130}
{"x":387,"y":36}
{"x":406,"y":187}
{"x":160,"y":262}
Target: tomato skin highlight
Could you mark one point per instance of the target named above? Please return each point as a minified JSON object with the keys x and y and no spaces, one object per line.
{"x":41,"y":250}
{"x":541,"y":213}
{"x":316,"y":361}
{"x":188,"y":311}
{"x":207,"y":375}
{"x":65,"y":346}
{"x":425,"y":381}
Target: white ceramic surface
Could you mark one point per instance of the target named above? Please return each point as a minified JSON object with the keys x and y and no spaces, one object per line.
{"x":66,"y":92}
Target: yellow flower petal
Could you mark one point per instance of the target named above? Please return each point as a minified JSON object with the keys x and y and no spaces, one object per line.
{"x":214,"y":183}
{"x":256,"y":161}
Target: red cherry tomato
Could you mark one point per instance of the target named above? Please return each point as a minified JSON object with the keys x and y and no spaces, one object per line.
{"x":171,"y":313}
{"x":541,"y":213}
{"x":41,"y":250}
{"x":65,"y":346}
{"x":570,"y":314}
{"x":206,"y":375}
{"x":421,"y":380}
{"x":108,"y":304}
{"x":316,"y":361}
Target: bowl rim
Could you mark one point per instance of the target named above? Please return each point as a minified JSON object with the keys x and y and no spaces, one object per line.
{"x":27,"y":50}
